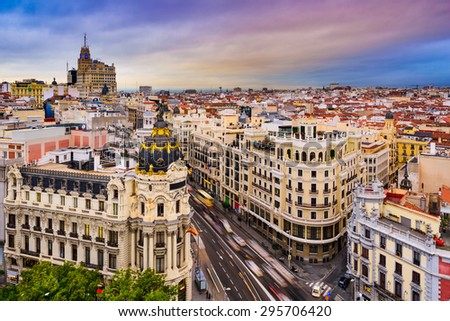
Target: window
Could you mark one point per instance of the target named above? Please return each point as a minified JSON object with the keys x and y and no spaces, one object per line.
{"x":74,"y":252}
{"x":50,"y":224}
{"x":415,"y":296}
{"x":299,"y":213}
{"x":382,"y":242}
{"x":37,"y":221}
{"x":326,"y":175}
{"x":382,"y":280}
{"x":398,"y":268}
{"x":398,"y":249}
{"x":61,"y":226}
{"x":160,"y":264}
{"x":100,"y":232}
{"x":38,"y":197}
{"x":142,"y":208}
{"x":74,"y":227}
{"x":38,"y":245}
{"x":415,"y":277}
{"x":160,"y":209}
{"x":300,"y":173}
{"x":50,"y":198}
{"x":100,"y":258}
{"x":10,"y":240}
{"x":313,"y":188}
{"x":313,"y":174}
{"x":367,"y":233}
{"x":75,"y":202}
{"x":112,"y":261}
{"x":160,"y":239}
{"x":50,"y":247}
{"x":27,"y":196}
{"x":115,"y":209}
{"x":365,"y":270}
{"x":313,"y":248}
{"x":365,"y":253}
{"x":88,"y":204}
{"x":382,"y":260}
{"x":61,"y":250}
{"x":313,"y":215}
{"x":355,"y":248}
{"x":398,"y":289}
{"x":63,"y":200}
{"x":355,"y":265}
{"x":86,"y":229}
{"x":325,"y":214}
{"x":113,"y":238}
{"x":87,"y":255}
{"x":101,"y":205}
{"x":313,"y":201}
{"x":27,"y":243}
{"x":416,"y":258}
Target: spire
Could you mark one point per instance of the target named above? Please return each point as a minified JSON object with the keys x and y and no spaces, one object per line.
{"x":85,"y":40}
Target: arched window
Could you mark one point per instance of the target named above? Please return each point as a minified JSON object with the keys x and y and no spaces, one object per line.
{"x":320,"y":157}
{"x":303,"y":156}
{"x":289,"y":153}
{"x":312,"y":156}
{"x":297,"y":155}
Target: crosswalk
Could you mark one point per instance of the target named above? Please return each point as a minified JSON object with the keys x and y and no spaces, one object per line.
{"x":325,"y":287}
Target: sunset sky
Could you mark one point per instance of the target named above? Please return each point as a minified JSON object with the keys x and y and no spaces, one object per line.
{"x":204,"y":44}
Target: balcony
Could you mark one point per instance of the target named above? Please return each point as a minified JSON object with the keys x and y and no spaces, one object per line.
{"x":87,"y":237}
{"x":298,"y":190}
{"x":112,"y":244}
{"x":37,"y":228}
{"x":11,"y":225}
{"x":26,"y":226}
{"x":32,"y":253}
{"x":48,"y":230}
{"x":100,"y":240}
{"x":327,"y":191}
{"x":313,"y":191}
{"x":61,"y":232}
{"x":141,"y":242}
{"x":160,"y":245}
{"x":92,"y":266}
{"x":289,"y":200}
{"x":73,"y":234}
{"x":383,"y":291}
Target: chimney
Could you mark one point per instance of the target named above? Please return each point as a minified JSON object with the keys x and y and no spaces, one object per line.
{"x":96,"y":160}
{"x":433,"y":148}
{"x":423,"y":203}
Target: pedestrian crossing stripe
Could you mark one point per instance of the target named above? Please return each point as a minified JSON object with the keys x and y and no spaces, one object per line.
{"x":325,"y":287}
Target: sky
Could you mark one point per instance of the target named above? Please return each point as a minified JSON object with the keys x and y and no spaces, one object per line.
{"x":207,"y":44}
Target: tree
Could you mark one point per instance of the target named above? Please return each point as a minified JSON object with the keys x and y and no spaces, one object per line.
{"x":67,"y":282}
{"x":136,"y":285}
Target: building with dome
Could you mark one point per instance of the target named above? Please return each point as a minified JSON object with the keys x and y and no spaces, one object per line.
{"x":104,"y":219}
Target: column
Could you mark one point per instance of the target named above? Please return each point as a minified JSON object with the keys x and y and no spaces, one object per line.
{"x":145,"y":251}
{"x":133,"y":248}
{"x":151,"y":251}
{"x":169,"y":250}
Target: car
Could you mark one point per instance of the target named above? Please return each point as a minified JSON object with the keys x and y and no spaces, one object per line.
{"x":343,"y":282}
{"x":239,"y":240}
{"x":254,"y":268}
{"x":316,"y":291}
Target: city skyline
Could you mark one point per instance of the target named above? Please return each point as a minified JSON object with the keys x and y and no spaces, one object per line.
{"x":207,"y":45}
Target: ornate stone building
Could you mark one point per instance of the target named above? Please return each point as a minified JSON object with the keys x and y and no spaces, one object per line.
{"x":92,"y":75}
{"x":105,"y":221}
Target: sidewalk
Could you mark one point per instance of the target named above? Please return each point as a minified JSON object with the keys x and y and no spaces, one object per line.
{"x":307,"y":271}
